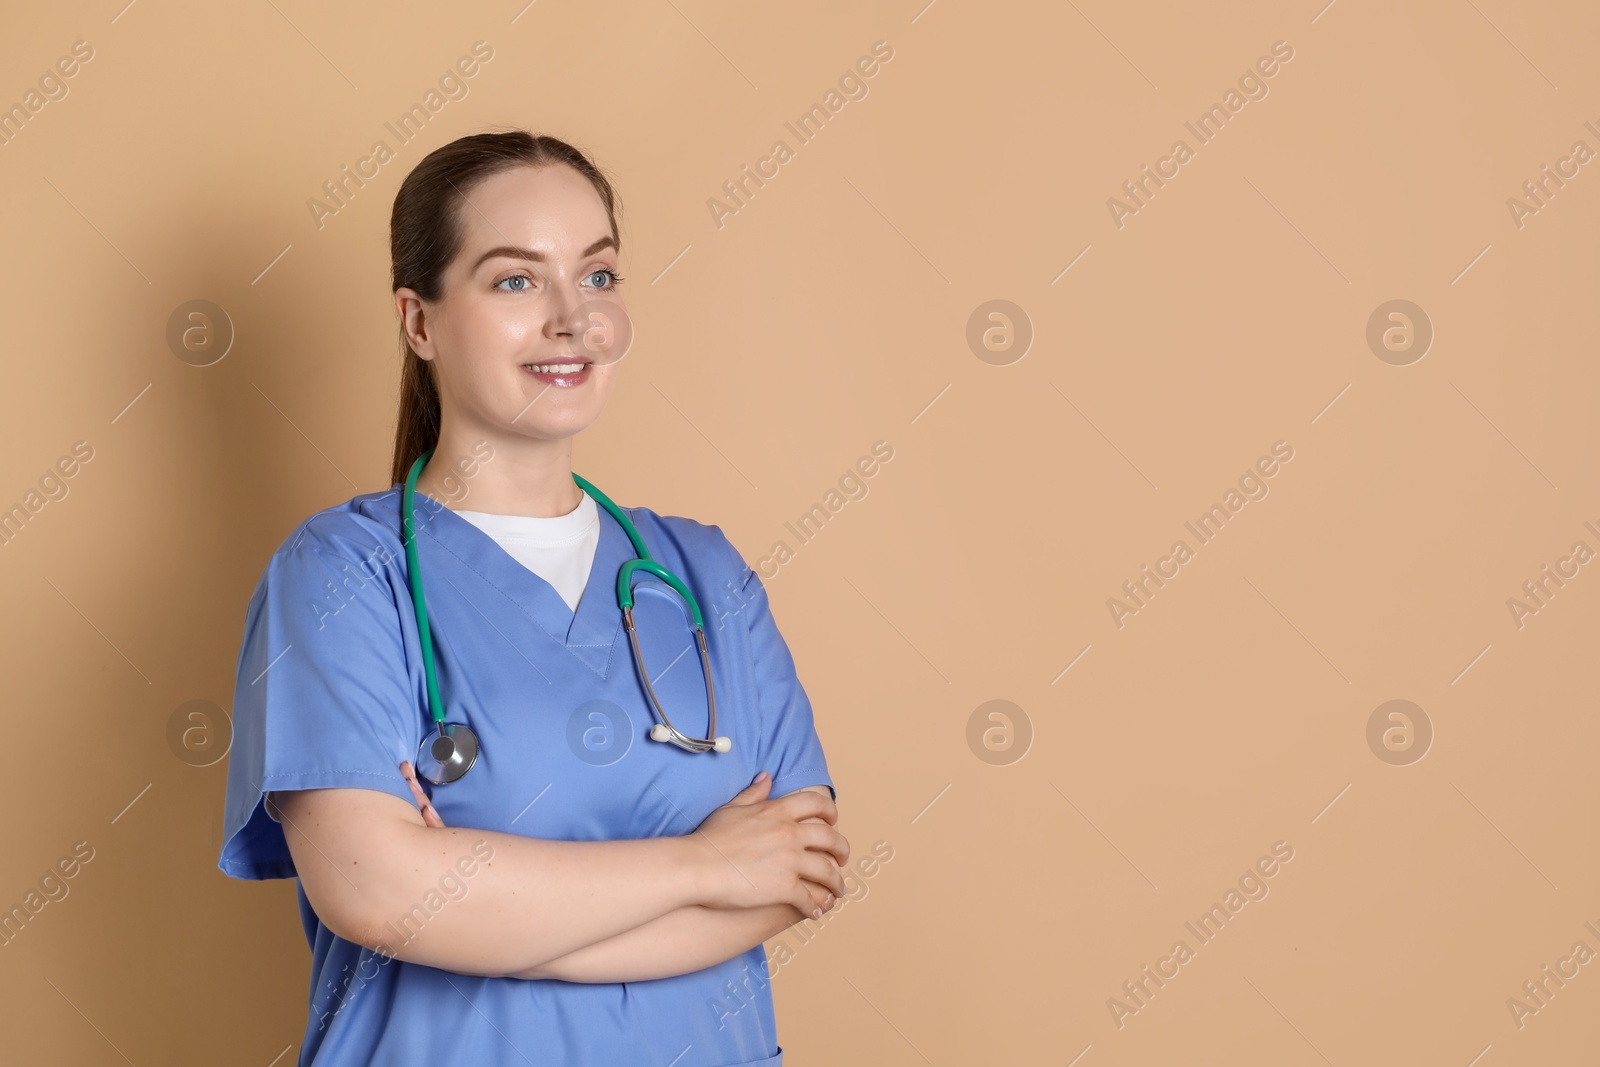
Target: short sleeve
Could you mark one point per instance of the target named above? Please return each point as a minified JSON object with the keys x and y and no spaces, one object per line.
{"x":790,"y":748}
{"x":323,"y":697}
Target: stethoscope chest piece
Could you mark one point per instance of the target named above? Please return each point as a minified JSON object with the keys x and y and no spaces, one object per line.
{"x":447,"y":755}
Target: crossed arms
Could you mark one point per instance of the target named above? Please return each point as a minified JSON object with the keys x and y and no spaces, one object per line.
{"x":591,"y":911}
{"x":680,"y":941}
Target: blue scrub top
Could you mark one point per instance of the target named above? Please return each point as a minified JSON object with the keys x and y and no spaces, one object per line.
{"x":330,"y":693}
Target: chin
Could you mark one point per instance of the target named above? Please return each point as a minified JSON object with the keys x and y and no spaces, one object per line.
{"x":569,"y":425}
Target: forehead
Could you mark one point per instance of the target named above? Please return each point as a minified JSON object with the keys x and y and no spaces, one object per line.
{"x":552,"y":209}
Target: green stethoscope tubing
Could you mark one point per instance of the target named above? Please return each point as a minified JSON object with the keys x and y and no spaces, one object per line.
{"x":643,"y":562}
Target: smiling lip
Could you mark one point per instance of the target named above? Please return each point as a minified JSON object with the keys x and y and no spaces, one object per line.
{"x":564,"y":372}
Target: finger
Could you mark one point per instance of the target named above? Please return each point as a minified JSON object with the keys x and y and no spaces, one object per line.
{"x":818,"y":867}
{"x":840,"y":857}
{"x":806,"y":803}
{"x":756,"y":790}
{"x":802,"y":900}
{"x":430,"y":814}
{"x":821,"y":895}
{"x":819,"y":837}
{"x":409,"y":773}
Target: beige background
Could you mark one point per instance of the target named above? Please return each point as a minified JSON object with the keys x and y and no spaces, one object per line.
{"x":831,"y":312}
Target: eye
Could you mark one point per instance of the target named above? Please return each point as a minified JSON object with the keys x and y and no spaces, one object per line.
{"x":522,"y":278}
{"x":609,"y":273}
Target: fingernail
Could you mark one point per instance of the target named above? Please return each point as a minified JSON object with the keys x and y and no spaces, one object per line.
{"x":761,"y":777}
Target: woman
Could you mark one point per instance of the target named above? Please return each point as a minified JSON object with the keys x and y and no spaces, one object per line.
{"x":582,"y":894}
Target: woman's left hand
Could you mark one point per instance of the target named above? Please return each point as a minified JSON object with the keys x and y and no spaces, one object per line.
{"x":430,"y":814}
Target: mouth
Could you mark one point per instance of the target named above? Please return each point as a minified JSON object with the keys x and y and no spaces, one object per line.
{"x":565,"y":372}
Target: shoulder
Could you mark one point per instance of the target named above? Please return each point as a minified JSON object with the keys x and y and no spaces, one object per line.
{"x":700,"y":553}
{"x":364,"y":530}
{"x":323,"y":566}
{"x":698,"y":545}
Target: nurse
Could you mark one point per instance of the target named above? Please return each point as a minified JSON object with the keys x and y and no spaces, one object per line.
{"x":584,"y":894}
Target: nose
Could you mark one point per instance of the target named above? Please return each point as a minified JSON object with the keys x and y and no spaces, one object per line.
{"x":563,"y":321}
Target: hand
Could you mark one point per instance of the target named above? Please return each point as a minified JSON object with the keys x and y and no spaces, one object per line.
{"x":820,"y":895}
{"x":824,"y":899}
{"x":430,"y":814}
{"x":757,"y":851}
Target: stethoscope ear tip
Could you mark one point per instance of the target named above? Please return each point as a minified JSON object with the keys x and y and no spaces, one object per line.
{"x":662,"y":732}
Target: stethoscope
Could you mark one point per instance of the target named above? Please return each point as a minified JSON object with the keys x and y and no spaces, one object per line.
{"x":450,"y":754}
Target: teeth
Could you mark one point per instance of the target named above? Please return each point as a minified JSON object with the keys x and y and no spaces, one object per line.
{"x":555,"y":368}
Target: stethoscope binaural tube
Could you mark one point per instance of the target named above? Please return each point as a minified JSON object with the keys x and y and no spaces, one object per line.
{"x":663,"y":730}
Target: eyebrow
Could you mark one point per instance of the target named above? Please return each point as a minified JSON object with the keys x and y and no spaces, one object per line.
{"x":513,"y":252}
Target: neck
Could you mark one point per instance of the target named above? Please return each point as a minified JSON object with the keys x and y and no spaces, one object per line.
{"x":502,"y":475}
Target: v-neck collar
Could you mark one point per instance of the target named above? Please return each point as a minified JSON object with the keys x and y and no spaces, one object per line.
{"x":590,"y":632}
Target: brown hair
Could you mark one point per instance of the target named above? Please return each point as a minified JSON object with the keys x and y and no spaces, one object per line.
{"x":425,"y":236}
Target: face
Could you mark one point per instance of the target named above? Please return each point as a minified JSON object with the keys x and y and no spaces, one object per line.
{"x":510,"y":323}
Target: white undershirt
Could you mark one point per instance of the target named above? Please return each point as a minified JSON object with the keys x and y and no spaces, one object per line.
{"x":559,"y":549}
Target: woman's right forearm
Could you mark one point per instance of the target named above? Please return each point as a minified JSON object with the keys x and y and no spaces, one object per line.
{"x":527,"y":901}
{"x":685,"y":940}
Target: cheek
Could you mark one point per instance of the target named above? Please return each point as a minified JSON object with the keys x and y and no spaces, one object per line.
{"x":605,"y":378}
{"x":486,"y":341}
{"x":495,"y":325}
{"x":485,"y":323}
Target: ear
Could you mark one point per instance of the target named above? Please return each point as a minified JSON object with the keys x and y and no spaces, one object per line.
{"x":413,"y":318}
